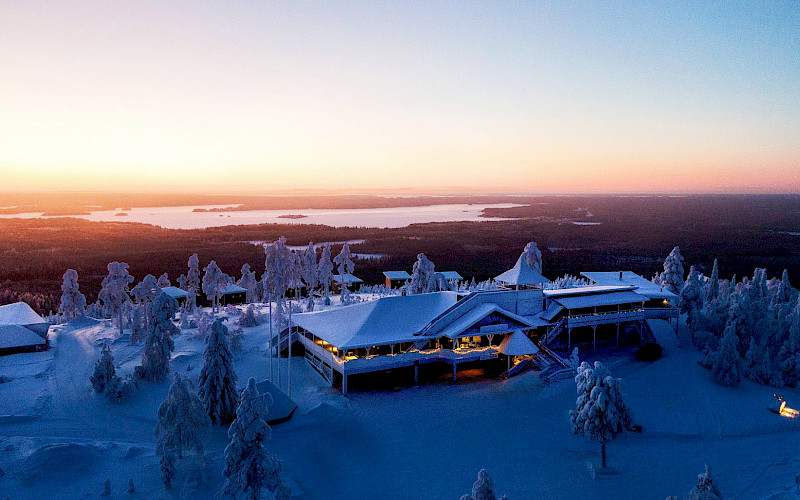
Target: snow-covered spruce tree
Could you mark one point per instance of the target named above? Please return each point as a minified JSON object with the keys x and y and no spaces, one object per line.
{"x":163,"y":281}
{"x":785,"y":293}
{"x":249,"y":467}
{"x":789,"y":353}
{"x":344,"y":261}
{"x":248,"y":282}
{"x":422,"y":274}
{"x":672,"y":277}
{"x":712,"y":285}
{"x":250,"y":318}
{"x":145,"y":292}
{"x":705,"y":489}
{"x":167,"y":466}
{"x":217,"y":384}
{"x":691,"y":298}
{"x":192,"y":282}
{"x":483,"y":488}
{"x":726,"y":367}
{"x":114,"y":290}
{"x":158,"y":345}
{"x":600,"y":411}
{"x":310,"y":273}
{"x":325,"y":268}
{"x":182,"y":424}
{"x":566,"y":281}
{"x":73,"y":302}
{"x":214,"y":283}
{"x":104,"y":370}
{"x":278,"y":261}
{"x":533,"y":256}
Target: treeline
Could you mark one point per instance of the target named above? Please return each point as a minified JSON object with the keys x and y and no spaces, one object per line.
{"x":635,"y":234}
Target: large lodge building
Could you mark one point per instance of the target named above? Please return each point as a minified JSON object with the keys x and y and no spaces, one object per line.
{"x":470,"y":329}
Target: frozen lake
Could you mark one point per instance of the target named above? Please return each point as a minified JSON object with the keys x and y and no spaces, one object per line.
{"x":186,"y":218}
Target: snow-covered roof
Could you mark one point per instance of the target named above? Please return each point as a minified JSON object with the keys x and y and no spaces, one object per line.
{"x":521,"y":274}
{"x":397,"y":275}
{"x":552,"y":311}
{"x":585,"y":290}
{"x":518,"y":344}
{"x":19,"y":313}
{"x":20,"y":326}
{"x":175,"y":292}
{"x":348,"y":278}
{"x":233,"y":288}
{"x":387,"y":320}
{"x":642,"y":284}
{"x":450,"y":275}
{"x":19,"y":336}
{"x":477,"y":313}
{"x":600,"y":299}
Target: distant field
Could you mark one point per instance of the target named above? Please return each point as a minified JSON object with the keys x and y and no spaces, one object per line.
{"x":634,"y":233}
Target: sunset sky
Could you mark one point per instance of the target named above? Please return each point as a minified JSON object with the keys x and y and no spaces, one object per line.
{"x":253,"y":96}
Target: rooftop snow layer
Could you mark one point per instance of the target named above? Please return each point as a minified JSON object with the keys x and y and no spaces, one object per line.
{"x":601,"y":299}
{"x":451,"y":275}
{"x":397,"y":275}
{"x":585,"y":290}
{"x":349,"y":278}
{"x":387,"y":320}
{"x":477,"y":313}
{"x":175,"y":292}
{"x":521,"y":274}
{"x":518,"y":344}
{"x":643,"y":285}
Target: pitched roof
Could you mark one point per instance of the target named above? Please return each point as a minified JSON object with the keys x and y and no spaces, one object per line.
{"x":477,"y":313}
{"x":450,"y":275}
{"x":233,"y":288}
{"x":585,"y":290}
{"x":387,"y":320}
{"x":348,"y":278}
{"x":518,"y":344}
{"x":397,"y":275}
{"x":521,"y":274}
{"x":642,"y":284}
{"x":175,"y":292}
{"x":20,"y":326}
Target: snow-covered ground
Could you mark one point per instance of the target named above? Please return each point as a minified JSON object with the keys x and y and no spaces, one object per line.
{"x":60,"y":440}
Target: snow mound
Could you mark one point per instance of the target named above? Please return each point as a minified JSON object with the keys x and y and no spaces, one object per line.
{"x":324,"y":412}
{"x":61,"y":462}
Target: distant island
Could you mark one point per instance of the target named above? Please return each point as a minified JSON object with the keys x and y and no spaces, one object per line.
{"x":120,"y":214}
{"x":292,"y":216}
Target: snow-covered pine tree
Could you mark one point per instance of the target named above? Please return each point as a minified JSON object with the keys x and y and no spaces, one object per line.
{"x":310,"y":273}
{"x":163,"y":281}
{"x":278,"y":261}
{"x":250,"y":318}
{"x":104,"y":370}
{"x":249,"y":467}
{"x":167,"y":465}
{"x":248,"y":282}
{"x":325,"y":268}
{"x":712,"y":286}
{"x":344,"y":261}
{"x":726,"y":367}
{"x":192,"y":282}
{"x":158,"y":345}
{"x":217,"y":384}
{"x":114,"y":290}
{"x":533,"y":256}
{"x":705,"y":489}
{"x":789,"y":354}
{"x":600,"y":411}
{"x":422,"y":274}
{"x":214,"y":283}
{"x":182,"y":424}
{"x":145,"y":292}
{"x":483,"y":488}
{"x":73,"y":302}
{"x":672,"y":277}
{"x":691,"y":298}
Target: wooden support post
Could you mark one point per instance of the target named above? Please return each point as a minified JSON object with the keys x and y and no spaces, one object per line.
{"x":569,"y":339}
{"x":344,"y":383}
{"x":454,"y":371}
{"x":416,"y":373}
{"x":594,"y":337}
{"x":618,"y":334}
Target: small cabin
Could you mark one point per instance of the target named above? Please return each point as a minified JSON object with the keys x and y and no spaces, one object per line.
{"x":348,"y":279}
{"x":21,"y":329}
{"x":396,"y":279}
{"x":176,"y":293}
{"x":450,"y":277}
